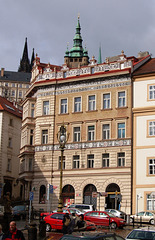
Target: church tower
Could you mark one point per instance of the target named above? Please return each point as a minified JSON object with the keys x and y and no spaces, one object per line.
{"x":77,"y":56}
{"x":25,"y":65}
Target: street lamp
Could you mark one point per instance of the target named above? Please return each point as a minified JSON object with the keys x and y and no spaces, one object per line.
{"x":62,"y":137}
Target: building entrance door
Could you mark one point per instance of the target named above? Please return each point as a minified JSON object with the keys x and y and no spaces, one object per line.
{"x":114,"y":196}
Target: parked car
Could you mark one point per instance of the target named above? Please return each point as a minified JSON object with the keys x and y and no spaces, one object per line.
{"x":104,"y":219}
{"x":96,"y":236}
{"x":117,"y":213}
{"x":83,"y":207}
{"x":65,"y":210}
{"x":147,"y":233}
{"x":144,"y":216}
{"x":19,"y":211}
{"x":54,"y":221}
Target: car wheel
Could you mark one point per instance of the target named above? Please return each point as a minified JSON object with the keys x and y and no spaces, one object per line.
{"x":48,"y":227}
{"x":131,"y":220}
{"x":113,"y":225}
{"x":152,"y":221}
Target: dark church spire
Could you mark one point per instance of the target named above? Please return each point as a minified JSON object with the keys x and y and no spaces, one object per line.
{"x":25,"y":65}
{"x":32,"y":58}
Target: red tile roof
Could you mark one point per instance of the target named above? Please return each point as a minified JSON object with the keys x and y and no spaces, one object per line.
{"x":5,"y":105}
{"x":147,"y":68}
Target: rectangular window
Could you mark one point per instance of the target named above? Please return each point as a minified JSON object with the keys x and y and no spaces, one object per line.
{"x":10,"y":142}
{"x":76,"y":161}
{"x":91,"y":133}
{"x":121,"y":99}
{"x":9,"y":165}
{"x":76,"y":134}
{"x":63,"y":163}
{"x":90,"y":161}
{"x":63,"y":107}
{"x":11,"y":122}
{"x":20,"y":85}
{"x":150,"y":202}
{"x":31,"y":136}
{"x":152,"y":128}
{"x":91,"y":103}
{"x":77,"y":104}
{"x":105,"y":160}
{"x":152,"y":92}
{"x":106,"y":101}
{"x":45,"y":107}
{"x":121,"y":130}
{"x":20,"y":94}
{"x":121,"y":159}
{"x":13,"y":93}
{"x":152,"y":166}
{"x":44,"y":136}
{"x":13,"y":84}
{"x":106,"y":131}
{"x":32,"y":109}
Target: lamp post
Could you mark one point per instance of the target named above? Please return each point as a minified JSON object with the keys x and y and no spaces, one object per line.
{"x":62,"y":137}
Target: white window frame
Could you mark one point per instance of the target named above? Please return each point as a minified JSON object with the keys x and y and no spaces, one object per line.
{"x":122,"y":99}
{"x":152,"y":92}
{"x":91,"y":133}
{"x":121,"y":129}
{"x":151,"y":166}
{"x":76,"y":134}
{"x":78,"y":104}
{"x":63,"y":106}
{"x":151,"y":128}
{"x":46,"y":105}
{"x":105,"y":159}
{"x":44,"y":136}
{"x":121,"y":159}
{"x":90,"y":161}
{"x":76,"y":161}
{"x":91,"y":103}
{"x":107,"y":101}
{"x":150,"y":202}
{"x":106,"y":131}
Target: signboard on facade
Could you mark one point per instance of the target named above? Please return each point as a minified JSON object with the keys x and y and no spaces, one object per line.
{"x":94,"y":194}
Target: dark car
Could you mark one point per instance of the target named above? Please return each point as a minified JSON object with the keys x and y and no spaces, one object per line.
{"x":102,"y":218}
{"x":96,"y":236}
{"x":19,"y":211}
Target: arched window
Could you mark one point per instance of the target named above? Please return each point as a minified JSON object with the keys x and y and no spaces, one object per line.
{"x":42,"y":194}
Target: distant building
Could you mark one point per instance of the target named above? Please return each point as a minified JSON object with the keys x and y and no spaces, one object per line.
{"x":144,"y":137}
{"x":13,"y":85}
{"x":94,"y":102}
{"x":10,"y":134}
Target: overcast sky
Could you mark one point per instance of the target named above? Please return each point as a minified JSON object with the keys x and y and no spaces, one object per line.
{"x":49,"y":25}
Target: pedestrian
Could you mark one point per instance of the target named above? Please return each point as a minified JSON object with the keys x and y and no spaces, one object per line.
{"x":66,"y":221}
{"x":1,"y":232}
{"x":13,"y":233}
{"x":81,"y":223}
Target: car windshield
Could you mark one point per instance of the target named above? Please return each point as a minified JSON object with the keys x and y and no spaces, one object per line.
{"x":139,"y":234}
{"x":111,"y":215}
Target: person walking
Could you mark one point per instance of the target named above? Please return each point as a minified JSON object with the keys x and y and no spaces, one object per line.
{"x":13,"y":233}
{"x":66,"y":221}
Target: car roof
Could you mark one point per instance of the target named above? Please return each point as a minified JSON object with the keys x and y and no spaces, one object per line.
{"x":88,"y":236}
{"x":148,"y":228}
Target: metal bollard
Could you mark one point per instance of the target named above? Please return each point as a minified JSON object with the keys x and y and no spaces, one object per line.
{"x":128,"y":219}
{"x":32,"y":231}
{"x":42,"y":228}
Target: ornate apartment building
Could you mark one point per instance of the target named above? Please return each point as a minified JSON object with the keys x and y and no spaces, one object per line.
{"x":144,"y":138}
{"x":94,"y":102}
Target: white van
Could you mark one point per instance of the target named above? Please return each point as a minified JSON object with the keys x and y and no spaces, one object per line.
{"x":83,"y":207}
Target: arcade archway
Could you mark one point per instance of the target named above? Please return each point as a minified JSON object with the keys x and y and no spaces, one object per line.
{"x":114,"y":196}
{"x":87,"y":195}
{"x":68,"y":195}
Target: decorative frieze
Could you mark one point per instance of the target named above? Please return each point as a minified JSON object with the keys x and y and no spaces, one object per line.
{"x":85,"y":145}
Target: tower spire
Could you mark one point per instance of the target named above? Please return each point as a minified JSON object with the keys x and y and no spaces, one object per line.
{"x":25,"y":65}
{"x":100,"y":56}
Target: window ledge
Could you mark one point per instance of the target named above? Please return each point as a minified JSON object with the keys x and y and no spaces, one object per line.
{"x":106,"y":109}
{"x":118,"y":108}
{"x":91,"y":111}
{"x":60,"y":114}
{"x":77,"y":112}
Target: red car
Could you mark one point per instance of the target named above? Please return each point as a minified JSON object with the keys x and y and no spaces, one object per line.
{"x":65,"y":210}
{"x":54,"y":221}
{"x":104,"y":219}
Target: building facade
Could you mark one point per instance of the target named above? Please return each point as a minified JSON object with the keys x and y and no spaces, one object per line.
{"x":144,"y":138}
{"x":94,"y":102}
{"x":10,"y":130}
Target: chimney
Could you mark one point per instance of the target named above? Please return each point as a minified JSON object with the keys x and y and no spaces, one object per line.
{"x":2,"y":72}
